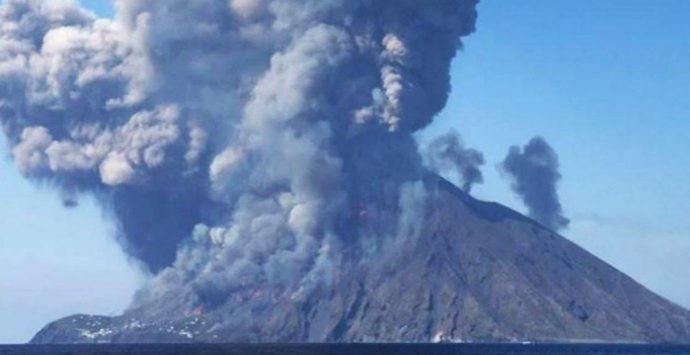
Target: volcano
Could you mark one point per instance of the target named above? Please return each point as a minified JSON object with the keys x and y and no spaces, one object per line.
{"x":478,"y":272}
{"x":259,"y":159}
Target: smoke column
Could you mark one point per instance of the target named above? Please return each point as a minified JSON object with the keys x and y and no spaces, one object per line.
{"x":447,"y":153}
{"x":534,"y":172}
{"x":235,"y":143}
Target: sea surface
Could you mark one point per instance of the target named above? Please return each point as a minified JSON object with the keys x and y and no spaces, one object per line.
{"x":330,"y":349}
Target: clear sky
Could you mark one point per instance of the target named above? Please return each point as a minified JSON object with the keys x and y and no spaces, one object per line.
{"x":607,"y":83}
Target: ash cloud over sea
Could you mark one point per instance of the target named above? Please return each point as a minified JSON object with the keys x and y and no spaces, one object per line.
{"x":235,"y":143}
{"x":238,"y":143}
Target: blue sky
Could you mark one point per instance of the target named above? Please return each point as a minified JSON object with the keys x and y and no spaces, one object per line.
{"x":605,"y":82}
{"x":103,"y":8}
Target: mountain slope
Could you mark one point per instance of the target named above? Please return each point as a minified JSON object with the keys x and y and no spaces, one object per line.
{"x":479,"y":272}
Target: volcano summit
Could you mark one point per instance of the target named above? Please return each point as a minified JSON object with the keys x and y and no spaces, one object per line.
{"x":479,"y":272}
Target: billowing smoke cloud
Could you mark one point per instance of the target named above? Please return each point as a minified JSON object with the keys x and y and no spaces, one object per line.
{"x":535,"y":175}
{"x":236,"y":143}
{"x":447,"y":154}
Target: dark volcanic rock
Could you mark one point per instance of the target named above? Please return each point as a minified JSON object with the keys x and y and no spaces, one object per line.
{"x":479,"y":272}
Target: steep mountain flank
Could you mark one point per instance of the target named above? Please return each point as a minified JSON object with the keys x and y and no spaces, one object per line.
{"x":477,"y":272}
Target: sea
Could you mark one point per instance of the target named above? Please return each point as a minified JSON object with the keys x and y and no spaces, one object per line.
{"x":341,"y":349}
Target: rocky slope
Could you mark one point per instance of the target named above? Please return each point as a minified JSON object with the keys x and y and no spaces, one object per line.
{"x":479,"y":272}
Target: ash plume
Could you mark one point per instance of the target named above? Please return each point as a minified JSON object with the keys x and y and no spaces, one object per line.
{"x":447,"y":154}
{"x":534,"y":171}
{"x":236,"y":143}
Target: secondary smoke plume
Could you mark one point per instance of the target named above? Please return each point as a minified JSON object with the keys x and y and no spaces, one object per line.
{"x":447,"y":153}
{"x":236,"y":143}
{"x":535,"y":175}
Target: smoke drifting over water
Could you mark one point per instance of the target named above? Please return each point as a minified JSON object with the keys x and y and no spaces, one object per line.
{"x":236,"y":143}
{"x":535,"y":175}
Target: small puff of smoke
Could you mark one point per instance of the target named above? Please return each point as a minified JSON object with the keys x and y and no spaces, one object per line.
{"x":535,"y":175}
{"x":447,"y":153}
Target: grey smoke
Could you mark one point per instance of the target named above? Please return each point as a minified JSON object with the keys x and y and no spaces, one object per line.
{"x":237,"y":143}
{"x":534,"y":171}
{"x":447,"y":154}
